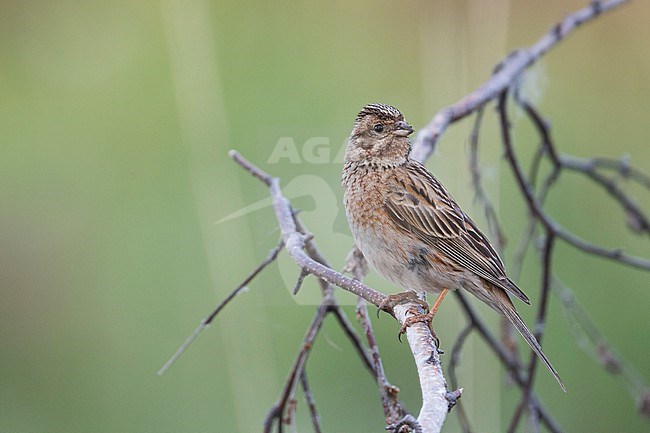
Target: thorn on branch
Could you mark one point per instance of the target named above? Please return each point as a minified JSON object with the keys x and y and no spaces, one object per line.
{"x":301,"y":279}
{"x":644,"y":403}
{"x":407,"y":424}
{"x":597,"y":7}
{"x":433,"y":359}
{"x":291,"y":412}
{"x":557,"y":31}
{"x":453,"y":397}
{"x":356,"y":264}
{"x":608,"y":359}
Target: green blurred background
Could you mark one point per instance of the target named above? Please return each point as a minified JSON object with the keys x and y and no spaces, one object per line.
{"x":115,"y":122}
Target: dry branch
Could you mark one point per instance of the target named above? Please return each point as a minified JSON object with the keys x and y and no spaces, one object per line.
{"x":435,"y":396}
{"x":436,"y":401}
{"x":506,"y":74}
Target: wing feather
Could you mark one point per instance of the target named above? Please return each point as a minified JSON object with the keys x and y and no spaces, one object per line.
{"x":421,"y":205}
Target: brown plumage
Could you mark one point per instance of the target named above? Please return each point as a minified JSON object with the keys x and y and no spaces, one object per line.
{"x":411,"y":230}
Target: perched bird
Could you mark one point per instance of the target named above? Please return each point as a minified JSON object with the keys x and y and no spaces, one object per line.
{"x":411,"y":230}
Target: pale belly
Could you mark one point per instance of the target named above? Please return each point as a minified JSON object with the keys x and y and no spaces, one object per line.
{"x":411,"y":267}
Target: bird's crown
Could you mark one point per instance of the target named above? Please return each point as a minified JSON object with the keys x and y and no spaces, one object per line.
{"x":383,"y":111}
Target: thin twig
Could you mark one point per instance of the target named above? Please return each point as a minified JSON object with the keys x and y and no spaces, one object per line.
{"x":311,"y":403}
{"x":511,"y":364}
{"x":539,"y":331}
{"x":276,"y":412}
{"x":393,"y":410}
{"x":273,"y":254}
{"x":638,"y":220}
{"x":454,"y":360}
{"x":507,"y":74}
{"x":481,"y":196}
{"x":352,"y":335}
{"x":622,"y":167}
{"x":538,"y":211}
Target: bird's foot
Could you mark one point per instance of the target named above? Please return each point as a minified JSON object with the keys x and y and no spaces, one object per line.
{"x":427,"y":319}
{"x":422,"y":318}
{"x":409,"y":297}
{"x":392,"y":301}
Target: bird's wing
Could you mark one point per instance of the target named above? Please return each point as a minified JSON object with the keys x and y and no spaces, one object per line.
{"x":419,"y":204}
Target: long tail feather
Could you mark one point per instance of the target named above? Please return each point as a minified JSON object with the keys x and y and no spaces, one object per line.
{"x":509,"y":311}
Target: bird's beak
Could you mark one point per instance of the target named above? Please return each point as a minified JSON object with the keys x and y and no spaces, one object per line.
{"x":403,"y":129}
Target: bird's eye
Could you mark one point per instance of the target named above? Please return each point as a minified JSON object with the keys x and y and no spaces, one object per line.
{"x":379,"y":128}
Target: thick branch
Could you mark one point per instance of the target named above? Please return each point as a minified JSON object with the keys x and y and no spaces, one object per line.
{"x":435,"y":403}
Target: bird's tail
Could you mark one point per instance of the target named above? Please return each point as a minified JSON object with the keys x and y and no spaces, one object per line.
{"x":509,"y":311}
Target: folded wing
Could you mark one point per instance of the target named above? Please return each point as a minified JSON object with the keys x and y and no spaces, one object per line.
{"x":420,"y":205}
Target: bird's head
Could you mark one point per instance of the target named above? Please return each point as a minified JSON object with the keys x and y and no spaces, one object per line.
{"x":380,"y":136}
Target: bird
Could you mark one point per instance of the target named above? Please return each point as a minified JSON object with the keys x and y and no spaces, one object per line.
{"x":412,"y":231}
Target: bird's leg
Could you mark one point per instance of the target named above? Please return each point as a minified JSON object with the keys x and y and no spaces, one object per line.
{"x":428,"y":317}
{"x":436,"y":304}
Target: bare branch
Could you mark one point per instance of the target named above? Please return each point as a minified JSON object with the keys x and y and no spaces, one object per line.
{"x":273,"y":254}
{"x":638,"y":221}
{"x":538,"y":211}
{"x":490,"y":213}
{"x":539,"y":329}
{"x":393,"y":410}
{"x":355,"y":339}
{"x":451,"y":372}
{"x":276,"y":412}
{"x":427,"y":360}
{"x":311,"y":404}
{"x":436,"y":399}
{"x":622,"y":167}
{"x":294,"y":241}
{"x":502,"y":79}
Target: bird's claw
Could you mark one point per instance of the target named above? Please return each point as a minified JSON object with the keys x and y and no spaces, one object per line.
{"x":420,"y":318}
{"x":396,"y":299}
